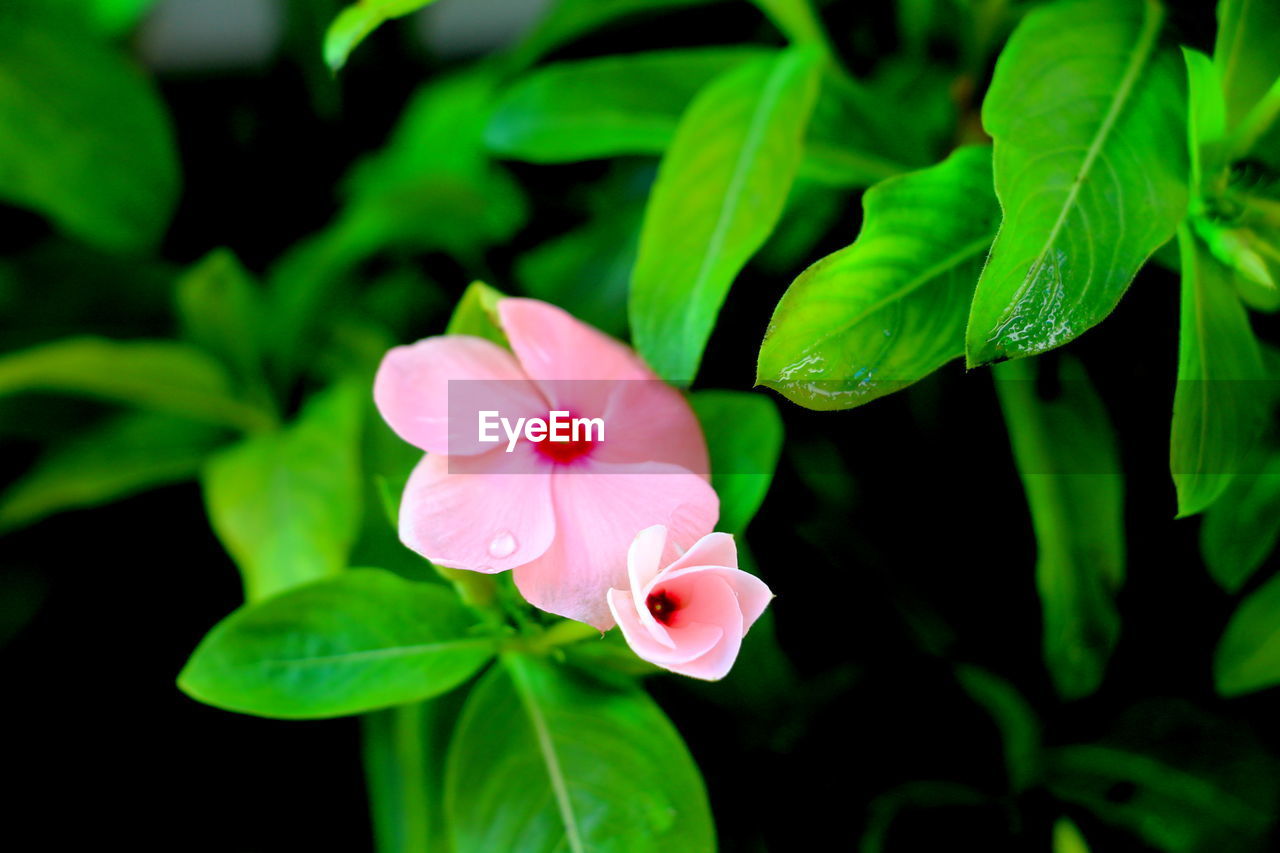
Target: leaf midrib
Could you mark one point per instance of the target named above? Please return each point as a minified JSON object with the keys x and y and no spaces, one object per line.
{"x":1153,"y":16}
{"x":375,"y":654}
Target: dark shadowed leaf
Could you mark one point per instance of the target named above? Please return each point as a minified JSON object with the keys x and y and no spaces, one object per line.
{"x":1242,"y":527}
{"x":1248,"y":656}
{"x":744,"y":440}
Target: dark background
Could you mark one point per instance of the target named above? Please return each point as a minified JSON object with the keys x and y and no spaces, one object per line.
{"x":895,"y":535}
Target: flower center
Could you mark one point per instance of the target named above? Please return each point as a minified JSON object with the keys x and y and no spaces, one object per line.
{"x":580,"y":443}
{"x":663,"y":605}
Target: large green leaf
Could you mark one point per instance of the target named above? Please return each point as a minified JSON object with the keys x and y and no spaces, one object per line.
{"x":1245,"y":53}
{"x":632,"y":104}
{"x":357,"y":21}
{"x":605,"y":107}
{"x":163,"y":375}
{"x":1090,"y":168}
{"x":744,"y":440}
{"x":1066,"y":455}
{"x":720,"y":190}
{"x":363,"y":640}
{"x":126,"y":455}
{"x":1217,"y":412}
{"x":546,"y":760}
{"x":1242,"y":527}
{"x":1248,"y":656}
{"x":891,"y":308}
{"x":286,"y":504}
{"x":83,"y":136}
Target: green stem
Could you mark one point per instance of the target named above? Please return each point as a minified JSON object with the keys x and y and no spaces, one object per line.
{"x":398,"y":769}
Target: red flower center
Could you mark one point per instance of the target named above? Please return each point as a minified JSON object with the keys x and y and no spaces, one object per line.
{"x":663,"y":605}
{"x":564,"y":452}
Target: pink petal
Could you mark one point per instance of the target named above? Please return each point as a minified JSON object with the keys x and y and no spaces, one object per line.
{"x":752,"y":593}
{"x":644,"y":562}
{"x":412,"y":391}
{"x":709,"y":601}
{"x":651,"y":421}
{"x":695,"y":640}
{"x":714,"y":549}
{"x":493,"y":513}
{"x":599,"y":509}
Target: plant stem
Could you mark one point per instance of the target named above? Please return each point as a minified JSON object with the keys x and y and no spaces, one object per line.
{"x":397,"y":772}
{"x":1255,"y":123}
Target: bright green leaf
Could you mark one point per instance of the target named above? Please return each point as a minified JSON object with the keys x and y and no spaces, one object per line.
{"x":1245,"y":53}
{"x":1217,"y":412}
{"x":1206,"y":125}
{"x":744,"y":440}
{"x":1067,"y":838}
{"x":286,"y":504}
{"x":1090,"y":194}
{"x":366,"y":639}
{"x":84,"y":138}
{"x":546,"y":760}
{"x":477,"y":314}
{"x":128,"y":454}
{"x":605,"y":107}
{"x":356,"y":21}
{"x":1066,"y":455}
{"x":1242,"y":527}
{"x":163,"y":375}
{"x":891,"y":308}
{"x":720,"y":190}
{"x":797,"y":21}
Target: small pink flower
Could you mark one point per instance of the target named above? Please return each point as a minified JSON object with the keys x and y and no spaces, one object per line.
{"x":561,"y":515}
{"x":691,"y":616}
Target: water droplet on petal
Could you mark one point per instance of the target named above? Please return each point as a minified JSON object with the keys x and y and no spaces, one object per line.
{"x":502,"y":545}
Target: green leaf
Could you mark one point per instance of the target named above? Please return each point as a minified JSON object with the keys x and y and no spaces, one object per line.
{"x":477,"y":314}
{"x":84,"y":138}
{"x":366,"y":639}
{"x":1241,"y":528}
{"x":797,"y":21}
{"x":891,"y":308}
{"x":1206,"y":125}
{"x":127,"y":454}
{"x":220,"y":309}
{"x":286,"y":504}
{"x":356,"y":21}
{"x":720,"y":190}
{"x":744,"y":440}
{"x":1245,"y":53}
{"x":1066,"y":455}
{"x":1019,"y":728}
{"x":163,"y":375}
{"x":1217,"y":413}
{"x":1169,"y":807}
{"x":1067,"y":838}
{"x":545,"y":759}
{"x":627,"y":104}
{"x":1088,"y":195}
{"x":1248,"y":656}
{"x":569,"y":19}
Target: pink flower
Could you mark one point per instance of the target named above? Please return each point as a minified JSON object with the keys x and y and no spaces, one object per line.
{"x":691,"y":616}
{"x":561,"y":515}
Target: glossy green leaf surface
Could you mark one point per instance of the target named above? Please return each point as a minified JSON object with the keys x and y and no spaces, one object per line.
{"x":1090,"y":169}
{"x":720,"y":190}
{"x":163,"y":375}
{"x":1217,"y":411}
{"x":547,"y":760}
{"x":1066,"y":454}
{"x":286,"y":504}
{"x":1242,"y":526}
{"x":890,"y":308}
{"x":127,"y":454}
{"x":84,"y":138}
{"x":366,"y":639}
{"x":744,"y":440}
